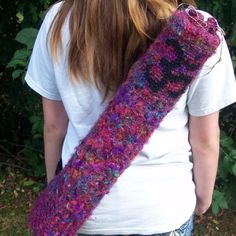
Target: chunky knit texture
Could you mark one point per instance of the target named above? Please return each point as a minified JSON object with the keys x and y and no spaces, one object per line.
{"x":154,"y":85}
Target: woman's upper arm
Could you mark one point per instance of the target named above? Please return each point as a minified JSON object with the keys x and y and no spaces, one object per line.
{"x":55,"y":116}
{"x":204,"y":130}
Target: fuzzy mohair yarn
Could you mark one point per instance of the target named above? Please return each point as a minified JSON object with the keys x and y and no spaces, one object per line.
{"x":154,"y":85}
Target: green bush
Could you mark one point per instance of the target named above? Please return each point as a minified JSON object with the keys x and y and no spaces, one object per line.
{"x":21,"y":115}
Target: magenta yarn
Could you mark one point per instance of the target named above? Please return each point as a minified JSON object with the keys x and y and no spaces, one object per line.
{"x":154,"y":85}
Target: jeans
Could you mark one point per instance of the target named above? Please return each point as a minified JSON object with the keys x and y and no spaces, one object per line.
{"x":184,"y":230}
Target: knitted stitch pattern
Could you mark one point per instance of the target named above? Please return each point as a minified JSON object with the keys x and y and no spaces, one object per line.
{"x":154,"y":85}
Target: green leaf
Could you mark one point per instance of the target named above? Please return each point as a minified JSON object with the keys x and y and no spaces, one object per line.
{"x":216,"y":194}
{"x":27,"y":37}
{"x":16,"y":62}
{"x":36,"y":189}
{"x":233,"y":154}
{"x":28,"y":182}
{"x":215,"y":208}
{"x":21,"y":54}
{"x":20,"y":58}
{"x":23,"y":77}
{"x":234,"y":169}
{"x":15,"y":193}
{"x":34,"y":161}
{"x":39,"y":170}
{"x":223,"y":203}
{"x":16,"y":74}
{"x":35,"y":136}
{"x":226,"y":141}
{"x":34,"y":119}
{"x":220,"y":200}
{"x":20,"y":17}
{"x":225,"y":166}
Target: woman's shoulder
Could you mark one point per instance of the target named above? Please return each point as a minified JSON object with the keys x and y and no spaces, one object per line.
{"x":54,"y":8}
{"x":52,"y":12}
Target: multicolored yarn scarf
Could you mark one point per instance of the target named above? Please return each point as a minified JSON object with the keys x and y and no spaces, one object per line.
{"x":154,"y":85}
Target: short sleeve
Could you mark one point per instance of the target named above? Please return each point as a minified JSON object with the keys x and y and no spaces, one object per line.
{"x":40,"y":75}
{"x":215,"y":87}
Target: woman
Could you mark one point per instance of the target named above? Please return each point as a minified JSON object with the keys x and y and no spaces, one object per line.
{"x":80,"y":47}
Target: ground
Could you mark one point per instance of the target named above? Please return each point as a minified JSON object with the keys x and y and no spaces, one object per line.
{"x":17,"y":192}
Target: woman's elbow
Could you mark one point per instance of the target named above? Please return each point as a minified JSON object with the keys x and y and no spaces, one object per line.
{"x":53,"y":129}
{"x":206,"y":142}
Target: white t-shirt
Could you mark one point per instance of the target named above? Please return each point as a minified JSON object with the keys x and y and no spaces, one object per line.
{"x":156,"y":193}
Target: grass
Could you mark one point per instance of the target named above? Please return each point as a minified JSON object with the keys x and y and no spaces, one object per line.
{"x":15,"y":201}
{"x":222,"y":225}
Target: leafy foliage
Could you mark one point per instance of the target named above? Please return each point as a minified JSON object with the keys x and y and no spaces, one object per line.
{"x":225,"y":193}
{"x":19,"y":62}
{"x":21,"y":116}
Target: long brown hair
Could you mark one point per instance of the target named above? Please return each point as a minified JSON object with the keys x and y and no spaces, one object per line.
{"x":108,"y":36}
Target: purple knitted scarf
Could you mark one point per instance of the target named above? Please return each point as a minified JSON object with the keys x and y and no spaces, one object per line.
{"x":154,"y":85}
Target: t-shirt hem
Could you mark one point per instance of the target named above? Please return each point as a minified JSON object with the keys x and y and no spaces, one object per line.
{"x":142,"y":231}
{"x":207,"y":111}
{"x":40,"y":90}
